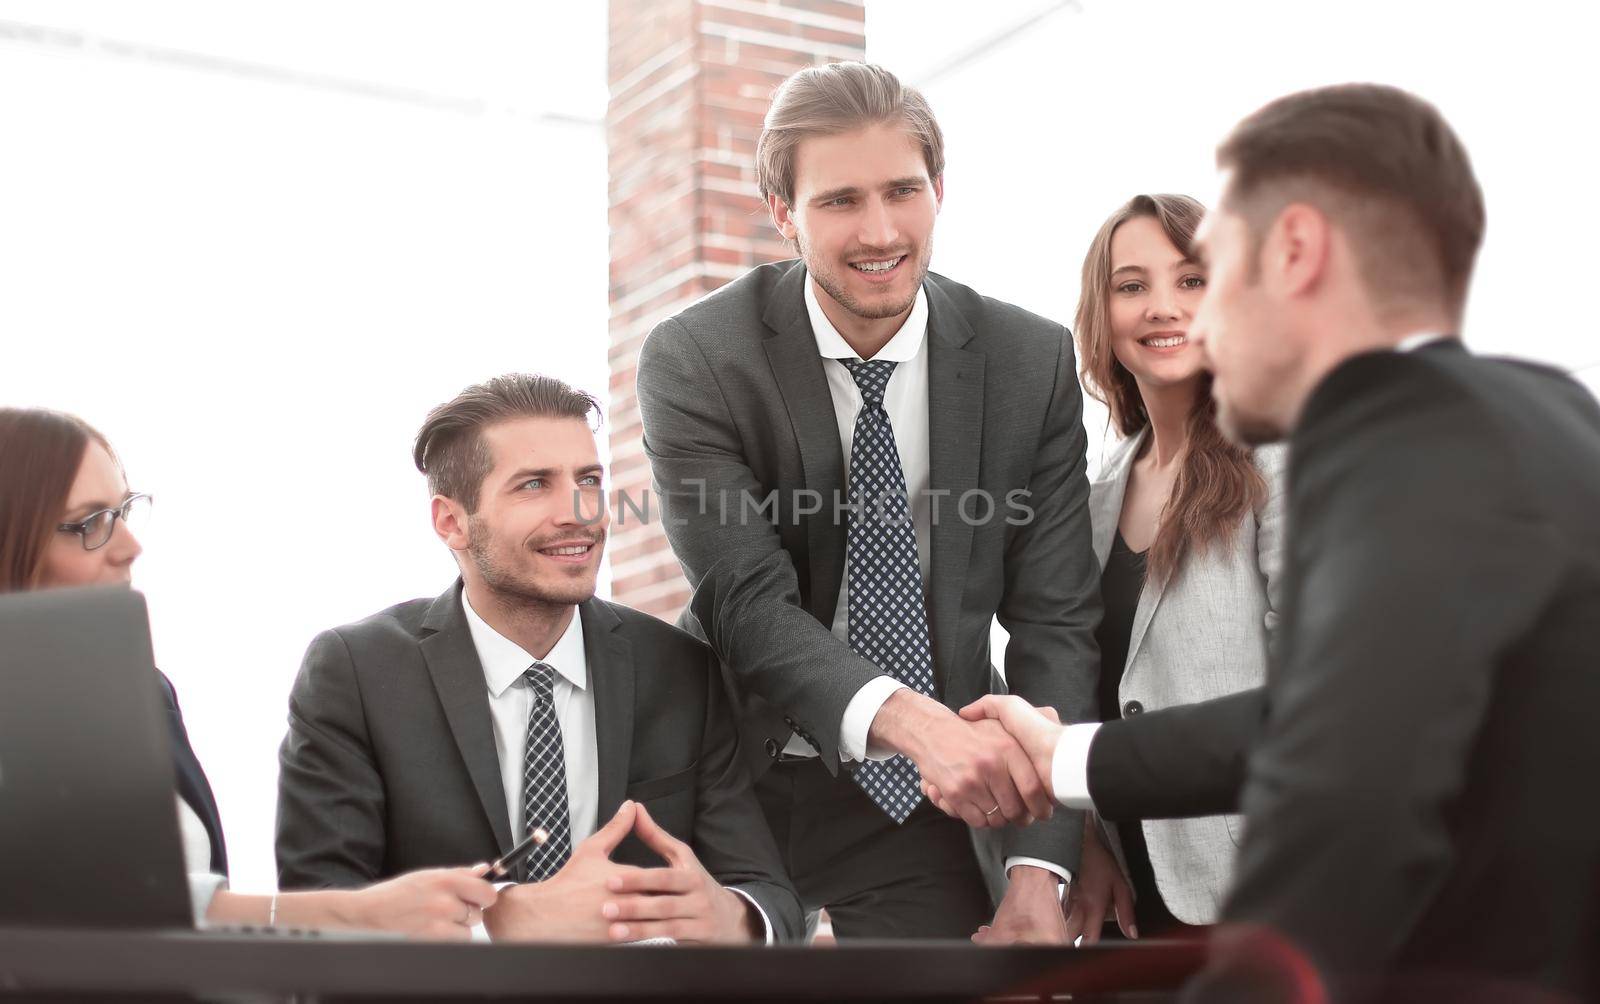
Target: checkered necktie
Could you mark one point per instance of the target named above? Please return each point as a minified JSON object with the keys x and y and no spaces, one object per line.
{"x":887,"y":623}
{"x":544,"y":778}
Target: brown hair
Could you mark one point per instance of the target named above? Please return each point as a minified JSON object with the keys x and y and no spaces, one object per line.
{"x":835,"y":98}
{"x":1384,"y":164}
{"x":450,"y":449}
{"x":40,"y":453}
{"x":1217,"y":483}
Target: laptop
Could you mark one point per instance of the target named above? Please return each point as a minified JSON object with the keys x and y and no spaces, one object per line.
{"x":88,"y":821}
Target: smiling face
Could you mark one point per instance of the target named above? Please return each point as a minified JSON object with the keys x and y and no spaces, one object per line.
{"x":863,"y":216}
{"x":1155,"y":290}
{"x":98,"y":485}
{"x":540,"y":528}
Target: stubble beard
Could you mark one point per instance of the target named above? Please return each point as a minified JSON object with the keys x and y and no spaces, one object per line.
{"x":1243,"y":429}
{"x":513,"y":588}
{"x":833,"y":284}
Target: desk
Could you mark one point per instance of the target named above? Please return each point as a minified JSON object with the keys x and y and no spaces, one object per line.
{"x":113,"y":965}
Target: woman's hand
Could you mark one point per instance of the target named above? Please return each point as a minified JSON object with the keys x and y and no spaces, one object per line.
{"x":436,"y":903}
{"x":1098,"y":885}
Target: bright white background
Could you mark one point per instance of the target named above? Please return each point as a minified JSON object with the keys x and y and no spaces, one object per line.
{"x":257,"y":285}
{"x":254,"y":242}
{"x":1051,"y":127}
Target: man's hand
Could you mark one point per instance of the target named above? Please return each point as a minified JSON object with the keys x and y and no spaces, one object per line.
{"x":566,"y":906}
{"x":1036,"y":730}
{"x":1098,"y":885}
{"x":439,"y":903}
{"x":970,"y":769}
{"x":681,"y":901}
{"x":1030,"y":914}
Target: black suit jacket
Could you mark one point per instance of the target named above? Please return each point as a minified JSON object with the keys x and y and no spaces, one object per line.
{"x":1415,"y":774}
{"x":737,"y":414}
{"x":390,"y":764}
{"x":193,"y":787}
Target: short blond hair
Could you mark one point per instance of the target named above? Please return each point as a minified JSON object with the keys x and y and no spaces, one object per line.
{"x":835,"y":98}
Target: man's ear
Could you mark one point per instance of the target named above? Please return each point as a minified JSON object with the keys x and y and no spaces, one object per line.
{"x":450,"y":522}
{"x":938,"y":193}
{"x":782,"y":217}
{"x":1297,"y":253}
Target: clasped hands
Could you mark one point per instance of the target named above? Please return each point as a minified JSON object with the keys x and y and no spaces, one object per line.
{"x":594,"y":899}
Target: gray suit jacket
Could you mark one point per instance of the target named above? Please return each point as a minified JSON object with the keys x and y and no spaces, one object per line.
{"x":1201,"y":634}
{"x":737,"y":415}
{"x":390,"y":764}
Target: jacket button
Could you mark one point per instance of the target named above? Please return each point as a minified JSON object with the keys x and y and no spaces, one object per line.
{"x":772,"y":748}
{"x":1131,"y":708}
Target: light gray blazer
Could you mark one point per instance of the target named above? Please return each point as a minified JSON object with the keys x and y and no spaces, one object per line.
{"x":1202,"y":634}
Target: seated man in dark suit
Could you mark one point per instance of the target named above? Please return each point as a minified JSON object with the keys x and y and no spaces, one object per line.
{"x":1412,"y":773}
{"x":441,"y":731}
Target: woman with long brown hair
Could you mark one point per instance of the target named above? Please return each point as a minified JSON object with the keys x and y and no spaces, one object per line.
{"x":1188,"y":531}
{"x":65,"y":520}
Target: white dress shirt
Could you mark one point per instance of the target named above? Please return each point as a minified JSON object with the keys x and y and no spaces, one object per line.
{"x":905,"y":399}
{"x":1069,"y":765}
{"x":510,"y":700}
{"x":203,"y":882}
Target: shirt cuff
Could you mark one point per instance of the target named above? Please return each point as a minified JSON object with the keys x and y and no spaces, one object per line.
{"x":765,"y":920}
{"x":1069,"y":768}
{"x":203,"y":888}
{"x":858,"y":716}
{"x":1059,"y":872}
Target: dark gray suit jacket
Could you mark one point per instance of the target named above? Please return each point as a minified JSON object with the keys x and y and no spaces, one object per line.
{"x":1412,"y":775}
{"x":736,"y":407}
{"x":390,"y":765}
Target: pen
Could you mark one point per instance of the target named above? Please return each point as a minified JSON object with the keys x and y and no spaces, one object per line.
{"x":508,"y":862}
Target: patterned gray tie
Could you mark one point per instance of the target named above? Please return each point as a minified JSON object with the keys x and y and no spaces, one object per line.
{"x":544,"y":778}
{"x":888,"y":625}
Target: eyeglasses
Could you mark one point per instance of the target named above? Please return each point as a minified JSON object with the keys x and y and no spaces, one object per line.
{"x":95,"y":529}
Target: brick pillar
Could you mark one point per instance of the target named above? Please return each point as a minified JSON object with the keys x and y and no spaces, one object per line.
{"x":690,"y":83}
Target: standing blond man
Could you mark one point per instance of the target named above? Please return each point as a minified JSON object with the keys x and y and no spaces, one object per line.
{"x":861,"y":464}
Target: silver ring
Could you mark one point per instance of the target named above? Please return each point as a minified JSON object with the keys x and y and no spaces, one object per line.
{"x":992,"y":811}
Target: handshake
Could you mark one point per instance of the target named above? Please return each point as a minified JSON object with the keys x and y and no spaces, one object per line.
{"x":989,"y":766}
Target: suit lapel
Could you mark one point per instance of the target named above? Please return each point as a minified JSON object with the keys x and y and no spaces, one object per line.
{"x":955,"y":440}
{"x":611,"y":670}
{"x":1149,"y":599}
{"x":1105,"y":509}
{"x":1107,"y":493}
{"x":797,"y":366}
{"x":458,"y":678}
{"x":192,"y":784}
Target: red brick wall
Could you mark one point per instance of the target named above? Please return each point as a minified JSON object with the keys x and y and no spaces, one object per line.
{"x":690,"y":82}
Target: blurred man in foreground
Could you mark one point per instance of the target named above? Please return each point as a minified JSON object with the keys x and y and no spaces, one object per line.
{"x":1406,"y":773}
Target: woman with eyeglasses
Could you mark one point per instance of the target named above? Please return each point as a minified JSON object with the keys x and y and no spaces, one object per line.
{"x":67,"y":518}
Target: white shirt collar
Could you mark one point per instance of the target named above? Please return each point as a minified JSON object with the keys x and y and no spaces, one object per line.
{"x":902,"y":348}
{"x":1411,"y":343}
{"x":504,"y":661}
